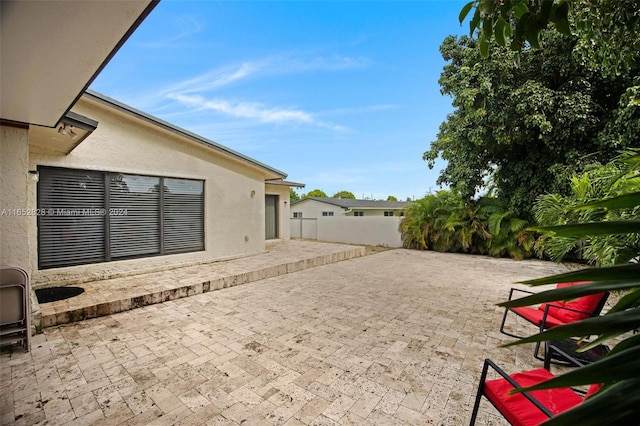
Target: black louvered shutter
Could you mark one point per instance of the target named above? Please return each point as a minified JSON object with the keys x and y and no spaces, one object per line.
{"x":134,"y":207}
{"x":71,"y":230}
{"x":183,"y":226}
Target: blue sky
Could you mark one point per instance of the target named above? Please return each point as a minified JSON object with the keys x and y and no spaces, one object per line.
{"x":340,"y":95}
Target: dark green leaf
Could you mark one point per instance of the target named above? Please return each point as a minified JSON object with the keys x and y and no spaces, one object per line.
{"x":630,"y":300}
{"x":609,"y":273}
{"x":628,"y":343}
{"x":567,"y":293}
{"x":592,"y":228}
{"x":475,"y":22}
{"x":487,"y":6}
{"x":465,"y":11}
{"x":619,"y":366}
{"x":545,"y":11}
{"x":618,"y":322}
{"x":561,"y":18}
{"x":484,"y":47}
{"x":499,"y":32}
{"x":520,"y":8}
{"x":625,"y":201}
{"x":487,"y":28}
{"x":615,"y":405}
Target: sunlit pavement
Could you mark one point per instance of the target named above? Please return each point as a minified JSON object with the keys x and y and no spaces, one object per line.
{"x":397,"y":337}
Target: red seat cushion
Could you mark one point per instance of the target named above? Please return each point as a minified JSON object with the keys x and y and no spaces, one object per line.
{"x":517,"y":409}
{"x":586,"y":304}
{"x":534,"y":316}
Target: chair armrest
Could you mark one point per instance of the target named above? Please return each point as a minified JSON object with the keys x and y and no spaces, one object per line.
{"x":504,"y":375}
{"x":546,"y":310}
{"x":518,"y":289}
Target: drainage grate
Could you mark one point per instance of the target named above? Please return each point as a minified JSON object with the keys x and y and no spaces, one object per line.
{"x":52,"y":294}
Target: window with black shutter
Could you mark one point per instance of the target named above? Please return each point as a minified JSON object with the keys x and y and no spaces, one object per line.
{"x":89,"y":217}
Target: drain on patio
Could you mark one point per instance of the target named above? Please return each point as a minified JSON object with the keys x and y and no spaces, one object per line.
{"x":53,"y":294}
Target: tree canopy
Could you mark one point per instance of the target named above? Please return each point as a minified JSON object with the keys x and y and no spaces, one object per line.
{"x":293,"y":196}
{"x":316,"y":193}
{"x":606,"y":31}
{"x":344,"y":194}
{"x":524,"y":121}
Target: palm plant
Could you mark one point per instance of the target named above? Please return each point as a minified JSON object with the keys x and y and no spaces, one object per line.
{"x":618,"y":400}
{"x":510,"y":236}
{"x":446,"y":222}
{"x":612,"y":180}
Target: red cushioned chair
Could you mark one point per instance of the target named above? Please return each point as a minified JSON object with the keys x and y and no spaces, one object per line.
{"x":526,"y":408}
{"x":553,"y":314}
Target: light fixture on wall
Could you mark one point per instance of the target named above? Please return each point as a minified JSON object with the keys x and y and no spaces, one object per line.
{"x":253,"y":194}
{"x":285,"y":204}
{"x":34,"y":176}
{"x":67,"y":129}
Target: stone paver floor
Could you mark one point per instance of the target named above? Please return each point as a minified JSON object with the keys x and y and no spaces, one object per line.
{"x":398,"y":337}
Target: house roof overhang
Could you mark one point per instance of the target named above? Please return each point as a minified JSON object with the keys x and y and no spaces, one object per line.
{"x":52,"y":50}
{"x":282,"y":182}
{"x":71,"y":131}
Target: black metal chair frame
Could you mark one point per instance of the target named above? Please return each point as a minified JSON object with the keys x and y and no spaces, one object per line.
{"x":543,"y":322}
{"x":488,"y":363}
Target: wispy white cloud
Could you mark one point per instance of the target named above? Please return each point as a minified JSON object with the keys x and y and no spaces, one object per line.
{"x":214,"y":79}
{"x":252,"y":110}
{"x":196,"y":92}
{"x":268,"y":66}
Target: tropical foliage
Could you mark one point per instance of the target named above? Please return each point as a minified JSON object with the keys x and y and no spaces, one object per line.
{"x":606,"y":31}
{"x":619,"y":371}
{"x":445,"y":222}
{"x":524,"y":122}
{"x":618,"y":178}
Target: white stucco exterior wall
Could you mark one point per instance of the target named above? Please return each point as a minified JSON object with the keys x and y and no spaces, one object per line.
{"x":312,"y":208}
{"x":284,"y":231}
{"x":14,"y":181}
{"x":234,"y":190}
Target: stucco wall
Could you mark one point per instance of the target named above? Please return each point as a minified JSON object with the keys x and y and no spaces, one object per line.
{"x":283,"y":209}
{"x":234,"y":191}
{"x":14,"y":180}
{"x":375,"y":231}
{"x":313,"y":208}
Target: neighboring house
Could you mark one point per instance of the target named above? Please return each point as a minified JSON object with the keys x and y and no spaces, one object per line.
{"x":314,"y":207}
{"x":91,"y":187}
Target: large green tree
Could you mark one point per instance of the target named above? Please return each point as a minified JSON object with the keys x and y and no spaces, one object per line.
{"x":610,"y":29}
{"x":523,"y":121}
{"x":606,"y":30}
{"x":344,"y":194}
{"x":315,"y":193}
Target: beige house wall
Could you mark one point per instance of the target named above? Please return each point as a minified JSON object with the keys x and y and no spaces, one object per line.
{"x":234,"y":190}
{"x":14,"y":181}
{"x":313,"y":208}
{"x":284,"y":231}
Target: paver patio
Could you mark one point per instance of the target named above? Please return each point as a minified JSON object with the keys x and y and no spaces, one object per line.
{"x":397,"y":337}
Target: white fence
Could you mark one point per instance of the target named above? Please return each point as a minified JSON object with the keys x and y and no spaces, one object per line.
{"x":375,"y":231}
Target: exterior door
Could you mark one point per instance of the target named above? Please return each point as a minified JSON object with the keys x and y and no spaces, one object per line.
{"x":271,"y":216}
